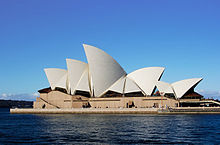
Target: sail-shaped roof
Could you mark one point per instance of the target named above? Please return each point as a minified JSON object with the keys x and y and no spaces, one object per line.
{"x":104,"y":70}
{"x":83,"y":84}
{"x":118,"y":86}
{"x":146,"y":78}
{"x":56,"y":77}
{"x":181,"y":87}
{"x":164,"y":87}
{"x":103,"y":73}
{"x":125,"y":85}
{"x":75,"y":71}
{"x":131,"y":86}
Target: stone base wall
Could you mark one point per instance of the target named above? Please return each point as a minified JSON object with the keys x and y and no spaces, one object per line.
{"x":56,"y":99}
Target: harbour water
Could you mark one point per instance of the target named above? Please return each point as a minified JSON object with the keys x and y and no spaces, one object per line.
{"x":108,"y":129}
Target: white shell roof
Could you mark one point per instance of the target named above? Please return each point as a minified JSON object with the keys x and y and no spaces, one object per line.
{"x":146,"y":78}
{"x":56,"y":77}
{"x":103,"y":73}
{"x":125,"y":85}
{"x":104,"y":70}
{"x":75,"y":71}
{"x":83,"y":84}
{"x":118,"y":86}
{"x":164,"y":87}
{"x":181,"y":87}
{"x":131,"y":86}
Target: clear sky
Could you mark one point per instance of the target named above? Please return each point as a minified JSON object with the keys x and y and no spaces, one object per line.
{"x":181,"y":35}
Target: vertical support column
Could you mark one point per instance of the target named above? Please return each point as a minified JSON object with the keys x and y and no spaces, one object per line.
{"x":123,"y":92}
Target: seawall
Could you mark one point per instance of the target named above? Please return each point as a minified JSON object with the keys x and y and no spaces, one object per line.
{"x":178,"y":110}
{"x":87,"y":111}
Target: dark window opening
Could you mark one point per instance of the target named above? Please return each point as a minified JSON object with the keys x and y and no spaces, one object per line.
{"x":83,"y":93}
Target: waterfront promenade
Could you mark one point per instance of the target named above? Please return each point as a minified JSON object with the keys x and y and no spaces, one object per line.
{"x":177,"y":110}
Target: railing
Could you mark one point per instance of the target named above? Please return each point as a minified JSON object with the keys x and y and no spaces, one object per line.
{"x":194,"y":109}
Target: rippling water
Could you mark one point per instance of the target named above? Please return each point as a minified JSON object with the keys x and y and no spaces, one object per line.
{"x":108,"y":129}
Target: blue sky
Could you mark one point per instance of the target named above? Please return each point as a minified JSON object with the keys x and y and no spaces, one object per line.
{"x":183,"y":36}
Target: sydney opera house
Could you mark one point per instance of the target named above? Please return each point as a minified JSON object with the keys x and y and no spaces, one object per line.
{"x":103,"y":83}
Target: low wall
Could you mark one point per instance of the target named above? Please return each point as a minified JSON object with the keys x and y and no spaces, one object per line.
{"x":177,"y":110}
{"x":87,"y":111}
{"x":194,"y":110}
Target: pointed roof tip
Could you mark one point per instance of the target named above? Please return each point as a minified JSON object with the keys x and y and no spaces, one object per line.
{"x":84,"y":44}
{"x":91,"y":46}
{"x":49,"y":68}
{"x":87,"y":45}
{"x":68,"y":59}
{"x":46,"y":69}
{"x":163,"y":68}
{"x":199,"y":79}
{"x":194,"y":78}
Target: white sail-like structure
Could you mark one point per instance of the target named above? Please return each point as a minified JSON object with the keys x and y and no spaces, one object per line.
{"x":131,"y":86}
{"x":181,"y":87}
{"x":84,"y":84}
{"x":164,"y":88}
{"x":75,"y":71}
{"x":56,"y":77}
{"x":103,"y":73}
{"x":104,"y":70}
{"x":146,"y":78}
{"x":125,"y":85}
{"x":118,"y":86}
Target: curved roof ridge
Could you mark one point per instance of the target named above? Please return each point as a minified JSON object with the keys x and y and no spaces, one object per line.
{"x":103,"y":68}
{"x":164,"y":87}
{"x":75,"y":72}
{"x":76,"y":60}
{"x":152,"y":67}
{"x":146,"y":78}
{"x":83,"y":83}
{"x":118,"y":86}
{"x":131,"y":86}
{"x":182,"y":86}
{"x":56,"y":77}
